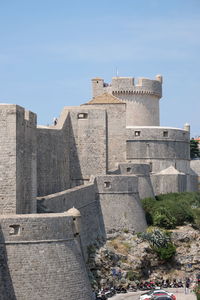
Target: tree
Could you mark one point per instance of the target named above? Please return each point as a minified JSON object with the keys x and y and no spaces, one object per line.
{"x":194,"y":148}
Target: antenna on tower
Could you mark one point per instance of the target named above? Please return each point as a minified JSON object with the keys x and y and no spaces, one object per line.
{"x":117,"y":72}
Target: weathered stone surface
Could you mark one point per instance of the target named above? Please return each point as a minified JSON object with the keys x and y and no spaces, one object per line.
{"x":101,"y":158}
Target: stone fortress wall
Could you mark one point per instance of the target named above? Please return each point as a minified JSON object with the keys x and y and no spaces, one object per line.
{"x":52,"y":160}
{"x":100,"y":158}
{"x":44,"y":260}
{"x":85,"y":200}
{"x":18,"y":187}
{"x":161,"y":147}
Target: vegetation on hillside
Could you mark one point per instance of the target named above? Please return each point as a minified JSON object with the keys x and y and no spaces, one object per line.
{"x":194,"y":149}
{"x":160,"y":242}
{"x":197,"y":291}
{"x":174,"y":209}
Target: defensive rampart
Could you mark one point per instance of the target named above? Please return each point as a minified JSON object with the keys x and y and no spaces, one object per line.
{"x":115,"y":135}
{"x":18,"y":186}
{"x":52,"y":160}
{"x":161,"y":147}
{"x":120,"y":203}
{"x":195,"y":166}
{"x":41,"y":259}
{"x":84,"y":199}
{"x":142,"y":171}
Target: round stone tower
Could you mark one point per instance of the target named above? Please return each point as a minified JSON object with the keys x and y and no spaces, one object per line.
{"x":142,"y":99}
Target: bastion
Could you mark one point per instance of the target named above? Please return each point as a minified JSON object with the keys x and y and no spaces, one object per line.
{"x":67,"y":186}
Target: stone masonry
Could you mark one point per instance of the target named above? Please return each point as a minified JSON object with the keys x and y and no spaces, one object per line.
{"x":66,"y":186}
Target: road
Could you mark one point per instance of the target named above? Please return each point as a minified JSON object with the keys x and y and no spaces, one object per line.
{"x":180,"y":295}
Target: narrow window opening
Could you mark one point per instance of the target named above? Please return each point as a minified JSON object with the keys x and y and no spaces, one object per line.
{"x":151,"y":166}
{"x":165,"y":133}
{"x":82,"y":116}
{"x":14,"y":230}
{"x":107,"y":184}
{"x":137,"y":133}
{"x":128,"y":170}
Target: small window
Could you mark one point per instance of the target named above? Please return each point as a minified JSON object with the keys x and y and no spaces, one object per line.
{"x":150,"y":166}
{"x":14,"y":230}
{"x":165,"y":133}
{"x":107,"y":184}
{"x":97,"y":81}
{"x":137,"y":133}
{"x":128,"y":170}
{"x":82,"y":116}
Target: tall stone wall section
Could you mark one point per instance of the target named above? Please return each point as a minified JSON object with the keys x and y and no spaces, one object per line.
{"x":120,"y":203}
{"x":142,"y":171}
{"x":26,"y":163}
{"x":17,"y":160}
{"x":8,"y":158}
{"x":161,"y":147}
{"x":88,"y":145}
{"x":169,"y":183}
{"x":115,"y":134}
{"x":84,"y":199}
{"x":41,"y":259}
{"x":53,"y":159}
{"x":195,"y":166}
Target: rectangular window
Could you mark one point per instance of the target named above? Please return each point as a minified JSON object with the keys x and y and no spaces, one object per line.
{"x":165,"y":133}
{"x":107,"y":184}
{"x":14,"y":230}
{"x":137,"y":133}
{"x":82,"y":116}
{"x":128,"y":170}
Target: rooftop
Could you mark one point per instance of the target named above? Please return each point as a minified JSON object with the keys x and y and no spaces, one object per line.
{"x":105,"y":99}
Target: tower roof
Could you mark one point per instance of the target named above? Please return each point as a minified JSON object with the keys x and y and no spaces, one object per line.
{"x":105,"y":99}
{"x":170,"y":171}
{"x":73,"y":212}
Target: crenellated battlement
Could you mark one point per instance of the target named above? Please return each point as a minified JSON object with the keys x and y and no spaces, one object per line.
{"x":126,"y":86}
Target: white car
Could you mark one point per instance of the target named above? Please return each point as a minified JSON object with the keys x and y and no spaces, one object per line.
{"x":150,"y":293}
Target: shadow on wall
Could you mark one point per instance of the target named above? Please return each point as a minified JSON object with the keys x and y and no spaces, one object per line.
{"x":76,"y":176}
{"x":53,"y":172}
{"x":85,"y":198}
{"x":6,"y":287}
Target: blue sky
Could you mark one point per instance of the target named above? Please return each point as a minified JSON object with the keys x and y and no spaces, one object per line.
{"x":49,"y":51}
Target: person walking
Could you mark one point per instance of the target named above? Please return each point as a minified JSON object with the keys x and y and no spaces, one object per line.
{"x":187,"y":286}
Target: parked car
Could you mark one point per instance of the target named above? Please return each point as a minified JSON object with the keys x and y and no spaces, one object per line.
{"x":161,"y":297}
{"x":150,"y":294}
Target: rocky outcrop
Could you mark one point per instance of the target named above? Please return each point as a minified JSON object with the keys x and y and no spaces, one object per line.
{"x":125,"y":258}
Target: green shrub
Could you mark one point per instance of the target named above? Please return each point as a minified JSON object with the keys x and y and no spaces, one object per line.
{"x":131,"y":275}
{"x":163,"y":218}
{"x":197,"y":291}
{"x":148,"y":205}
{"x":156,"y":237}
{"x":160,"y":242}
{"x":171,"y":210}
{"x":166,"y":253}
{"x":196,"y":212}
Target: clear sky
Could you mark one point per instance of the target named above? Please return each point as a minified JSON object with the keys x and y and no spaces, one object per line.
{"x":50,"y":49}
